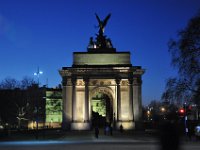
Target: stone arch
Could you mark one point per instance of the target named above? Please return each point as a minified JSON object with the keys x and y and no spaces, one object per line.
{"x":105,"y":90}
{"x":109,"y":93}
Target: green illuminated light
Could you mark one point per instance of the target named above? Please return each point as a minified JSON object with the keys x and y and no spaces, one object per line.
{"x":54,"y":106}
{"x":99,"y":106}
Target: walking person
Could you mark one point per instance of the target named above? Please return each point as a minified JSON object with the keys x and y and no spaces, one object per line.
{"x":169,"y":136}
{"x":107,"y":130}
{"x":121,"y":128}
{"x":111,"y":129}
{"x":97,"y":132}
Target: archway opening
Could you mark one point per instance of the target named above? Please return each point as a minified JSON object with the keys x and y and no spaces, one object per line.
{"x":102,"y":110}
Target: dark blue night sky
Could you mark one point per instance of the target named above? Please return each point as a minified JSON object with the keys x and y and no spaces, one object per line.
{"x":45,"y":33}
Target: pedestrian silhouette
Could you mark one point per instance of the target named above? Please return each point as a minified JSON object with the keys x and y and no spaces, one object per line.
{"x":97,"y":132}
{"x":111,"y":130}
{"x":107,"y":129}
{"x":169,"y":136}
{"x":121,"y":128}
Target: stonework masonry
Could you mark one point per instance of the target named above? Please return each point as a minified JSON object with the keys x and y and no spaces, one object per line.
{"x":106,"y":73}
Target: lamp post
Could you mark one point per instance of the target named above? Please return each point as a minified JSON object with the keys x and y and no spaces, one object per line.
{"x":163,"y":112}
{"x":44,"y":115}
{"x":148,"y":114}
{"x":38,"y":73}
{"x":185,"y":119}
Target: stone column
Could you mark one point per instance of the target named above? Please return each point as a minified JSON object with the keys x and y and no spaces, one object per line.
{"x":131,"y":99}
{"x":67,"y":102}
{"x":64,"y":114}
{"x":137,"y":101}
{"x":118,"y":99}
{"x":86,"y":113}
{"x":73,"y":99}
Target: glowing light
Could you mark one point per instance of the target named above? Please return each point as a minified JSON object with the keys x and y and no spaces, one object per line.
{"x":99,"y":106}
{"x":181,"y":111}
{"x":198,"y":128}
{"x":162,"y":109}
{"x":53,"y":108}
{"x":38,"y":73}
{"x":148,"y":112}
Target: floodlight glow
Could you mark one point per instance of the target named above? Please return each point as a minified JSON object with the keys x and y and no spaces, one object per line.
{"x":38,"y":74}
{"x":198,"y":128}
{"x":162,"y":109}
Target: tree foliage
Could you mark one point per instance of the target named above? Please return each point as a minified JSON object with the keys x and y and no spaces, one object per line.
{"x":185,"y":52}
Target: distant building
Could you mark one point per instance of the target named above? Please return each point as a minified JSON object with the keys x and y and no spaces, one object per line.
{"x":53,"y":108}
{"x":50,"y":110}
{"x":23,"y":108}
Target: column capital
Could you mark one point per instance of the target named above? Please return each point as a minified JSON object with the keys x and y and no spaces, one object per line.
{"x":73,"y":79}
{"x":137,"y":81}
{"x":64,"y":81}
{"x":130,"y":81}
{"x":118,"y":80}
{"x":86,"y":80}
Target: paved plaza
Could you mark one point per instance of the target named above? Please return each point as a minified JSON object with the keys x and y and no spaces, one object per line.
{"x":58,"y":140}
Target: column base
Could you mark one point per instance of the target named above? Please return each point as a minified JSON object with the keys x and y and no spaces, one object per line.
{"x":80,"y":126}
{"x":65,"y":126}
{"x":127,"y":125}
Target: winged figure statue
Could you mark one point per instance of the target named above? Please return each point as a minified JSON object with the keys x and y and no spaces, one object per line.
{"x":102,"y":23}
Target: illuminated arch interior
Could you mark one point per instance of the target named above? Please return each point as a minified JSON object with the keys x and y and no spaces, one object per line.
{"x":102,"y":106}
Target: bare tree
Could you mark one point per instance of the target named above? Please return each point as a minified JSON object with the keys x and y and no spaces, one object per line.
{"x":27,"y":82}
{"x":185,"y":52}
{"x":15,"y":100}
{"x":9,"y":83}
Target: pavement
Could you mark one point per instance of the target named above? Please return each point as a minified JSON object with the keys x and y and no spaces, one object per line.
{"x":81,"y":136}
{"x":116,"y":137}
{"x":57,"y":139}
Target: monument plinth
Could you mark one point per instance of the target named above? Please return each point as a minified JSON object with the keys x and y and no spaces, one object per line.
{"x":102,"y":87}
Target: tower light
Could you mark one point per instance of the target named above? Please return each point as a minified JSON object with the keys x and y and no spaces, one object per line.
{"x":38,"y":73}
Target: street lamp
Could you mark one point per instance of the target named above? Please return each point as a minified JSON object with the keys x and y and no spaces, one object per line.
{"x":162,"y":109}
{"x":163,"y":112}
{"x":185,"y":119}
{"x":38,"y":73}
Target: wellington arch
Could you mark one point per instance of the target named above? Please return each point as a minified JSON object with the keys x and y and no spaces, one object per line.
{"x":101,"y":82}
